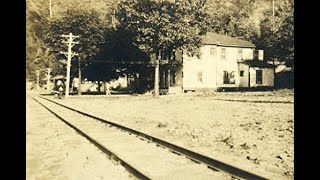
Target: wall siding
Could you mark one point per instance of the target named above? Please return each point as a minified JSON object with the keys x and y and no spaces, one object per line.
{"x":267,"y":77}
{"x":213,"y":66}
{"x":244,"y":81}
{"x":231,"y":64}
{"x":205,"y":64}
{"x":178,"y":77}
{"x":247,"y":53}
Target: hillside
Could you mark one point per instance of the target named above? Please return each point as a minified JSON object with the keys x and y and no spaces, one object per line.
{"x":245,"y":15}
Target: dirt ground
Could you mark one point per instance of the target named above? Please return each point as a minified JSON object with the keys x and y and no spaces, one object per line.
{"x":55,"y":151}
{"x":250,"y":130}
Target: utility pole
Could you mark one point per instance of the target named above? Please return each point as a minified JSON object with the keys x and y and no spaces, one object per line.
{"x":48,"y":80}
{"x":273,"y":29}
{"x":79,"y":77}
{"x":38,"y":77}
{"x":69,"y":55}
{"x":113,"y":18}
{"x":273,"y":21}
{"x":50,"y":9}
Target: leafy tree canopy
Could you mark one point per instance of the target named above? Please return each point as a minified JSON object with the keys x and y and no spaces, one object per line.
{"x":235,"y":18}
{"x":150,"y":26}
{"x":37,"y":28}
{"x":163,"y":25}
{"x":86,"y":24}
{"x":277,"y":38}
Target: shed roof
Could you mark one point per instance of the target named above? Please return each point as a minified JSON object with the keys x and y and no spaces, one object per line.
{"x":257,"y":63}
{"x":223,"y":40}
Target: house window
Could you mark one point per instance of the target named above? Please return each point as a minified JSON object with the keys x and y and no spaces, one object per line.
{"x":259,"y":76}
{"x":200,"y":77}
{"x":240,"y":58}
{"x":241,"y":73}
{"x":223,"y":53}
{"x":163,"y":55}
{"x":255,"y":54}
{"x":213,"y":51}
{"x":228,"y":77}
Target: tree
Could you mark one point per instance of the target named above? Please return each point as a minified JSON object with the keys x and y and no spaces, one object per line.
{"x":118,"y":57}
{"x":37,"y":56}
{"x":277,"y":38}
{"x":234,"y":18}
{"x":37,"y":27}
{"x":159,"y":25}
{"x":87,"y":25}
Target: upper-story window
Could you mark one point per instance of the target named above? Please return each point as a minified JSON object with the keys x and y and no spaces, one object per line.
{"x":172,"y":55}
{"x":200,"y":77}
{"x":213,"y":51}
{"x":223,"y":53}
{"x":163,"y":55}
{"x":240,"y":55}
{"x":255,"y":54}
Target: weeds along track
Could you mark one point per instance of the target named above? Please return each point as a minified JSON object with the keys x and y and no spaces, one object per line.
{"x":144,"y":156}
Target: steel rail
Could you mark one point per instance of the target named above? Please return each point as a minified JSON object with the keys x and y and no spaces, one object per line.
{"x":212,"y":163}
{"x":110,"y":154}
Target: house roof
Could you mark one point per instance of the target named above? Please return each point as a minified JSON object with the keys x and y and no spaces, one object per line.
{"x":223,"y":40}
{"x":257,"y":63}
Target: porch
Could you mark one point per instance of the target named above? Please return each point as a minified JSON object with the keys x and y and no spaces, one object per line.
{"x":170,"y":79}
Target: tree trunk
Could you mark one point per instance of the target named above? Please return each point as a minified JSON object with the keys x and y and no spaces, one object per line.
{"x":79,"y":76}
{"x":168,"y":79}
{"x":104,"y":85}
{"x":99,"y":86}
{"x":156,"y":78}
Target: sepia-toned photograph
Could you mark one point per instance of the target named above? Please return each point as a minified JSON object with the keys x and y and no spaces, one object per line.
{"x":159,"y":89}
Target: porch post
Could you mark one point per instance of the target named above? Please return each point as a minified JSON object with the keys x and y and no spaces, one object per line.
{"x":249,"y":76}
{"x":168,"y":78}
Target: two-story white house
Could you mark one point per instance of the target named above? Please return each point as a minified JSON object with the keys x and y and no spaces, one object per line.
{"x":224,"y":62}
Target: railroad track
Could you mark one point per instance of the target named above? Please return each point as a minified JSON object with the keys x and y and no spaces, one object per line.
{"x":142,"y":158}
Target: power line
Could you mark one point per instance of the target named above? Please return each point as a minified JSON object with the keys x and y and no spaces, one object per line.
{"x":118,"y":62}
{"x":121,"y":62}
